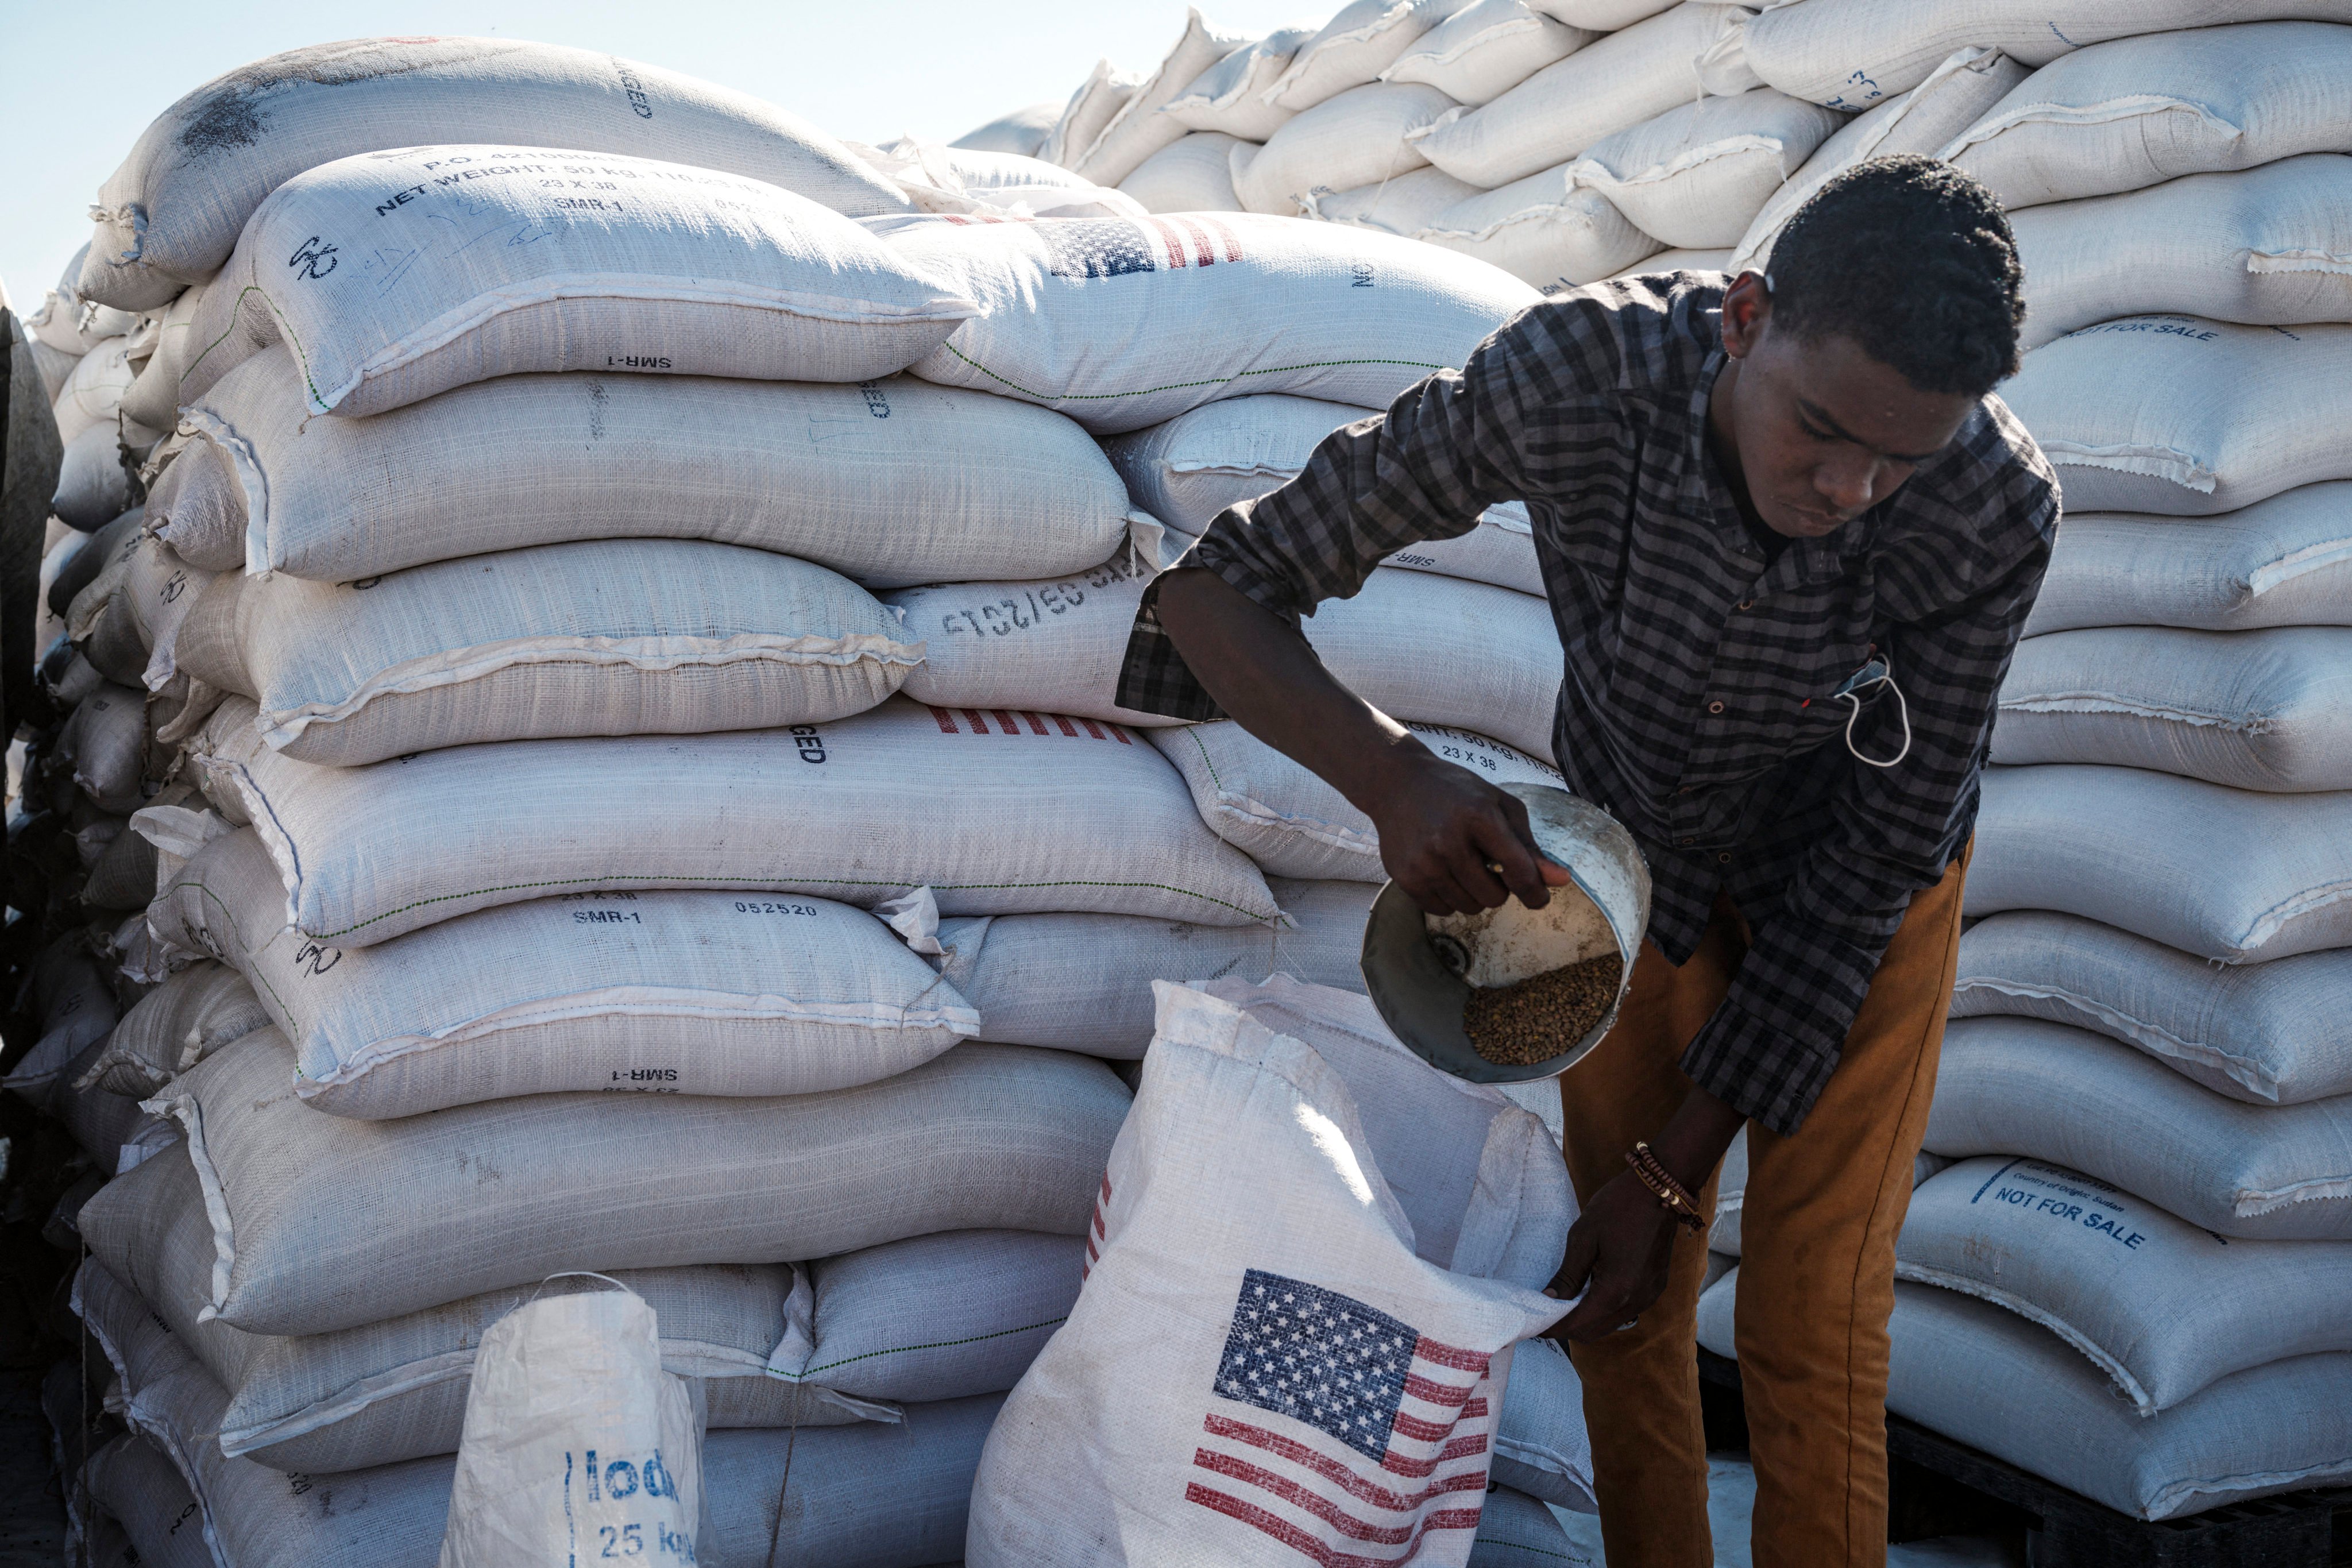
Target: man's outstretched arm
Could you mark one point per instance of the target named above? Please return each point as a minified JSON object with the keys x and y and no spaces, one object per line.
{"x":1441,"y":827}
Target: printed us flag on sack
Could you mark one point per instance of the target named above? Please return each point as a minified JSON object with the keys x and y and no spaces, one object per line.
{"x":1312,"y":1255}
{"x":1382,"y":1435}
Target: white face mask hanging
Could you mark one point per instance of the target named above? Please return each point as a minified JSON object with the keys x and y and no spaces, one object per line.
{"x":1879,"y":670}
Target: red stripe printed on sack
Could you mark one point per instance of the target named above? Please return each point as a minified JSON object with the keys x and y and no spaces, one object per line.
{"x":946,"y":718}
{"x":1304,"y":1499}
{"x":1430,"y":1392}
{"x":1299,"y":1454}
{"x":1169,"y":240}
{"x":1431,"y":1350}
{"x":1379,"y":1497}
{"x":1299,"y":1541}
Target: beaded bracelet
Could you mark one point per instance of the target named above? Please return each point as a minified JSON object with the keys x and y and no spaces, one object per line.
{"x":1671,"y":1195}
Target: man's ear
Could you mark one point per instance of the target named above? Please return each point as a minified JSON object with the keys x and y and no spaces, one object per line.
{"x":1747,"y":308}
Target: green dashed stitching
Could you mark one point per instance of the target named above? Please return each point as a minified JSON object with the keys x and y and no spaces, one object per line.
{"x":1206,"y":761}
{"x":808,"y":1371}
{"x":1177,"y":386}
{"x":284,"y":326}
{"x":1254,"y":918}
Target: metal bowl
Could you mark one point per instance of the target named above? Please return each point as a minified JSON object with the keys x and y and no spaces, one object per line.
{"x":1421,"y":968}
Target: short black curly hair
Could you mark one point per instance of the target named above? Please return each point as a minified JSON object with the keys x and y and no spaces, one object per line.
{"x":1915,"y":262}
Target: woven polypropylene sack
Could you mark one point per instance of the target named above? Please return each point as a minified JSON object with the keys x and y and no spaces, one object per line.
{"x":2163,"y":1308}
{"x":2186,"y":416}
{"x":1229,"y":96}
{"x":2010,"y":1388}
{"x":180,"y":1023}
{"x":1352,"y":139}
{"x":1485,"y":48}
{"x":1294,"y":824}
{"x":888,"y":483}
{"x":1055,"y":645}
{"x":1023,"y":131}
{"x":1922,"y":120}
{"x":1612,"y":83}
{"x":938,"y":178}
{"x":1138,"y":130}
{"x":135,"y":1487}
{"x":1406,"y":1197}
{"x":2139,"y":110}
{"x":2261,"y":1033}
{"x":1697,"y":174}
{"x":1544,"y":229}
{"x":691,"y":992}
{"x":1194,"y":174}
{"x":92,"y":487}
{"x":982,"y":1137}
{"x":1121,"y":323}
{"x":2271,"y":247}
{"x":105,"y":740}
{"x":2283,"y":562}
{"x":1541,"y":1446}
{"x":1404,"y":205}
{"x":1187,"y":470}
{"x":893,"y":1495}
{"x":1444,"y":650}
{"x":1090,"y":109}
{"x":395,"y":1389}
{"x":172,"y":213}
{"x":556,"y":1380}
{"x":933,"y":1317}
{"x":153,"y":399}
{"x":2229,"y":875}
{"x":1083,"y":982}
{"x":93,"y":393}
{"x":622,"y":636}
{"x":1362,"y":40}
{"x":1849,"y":54}
{"x":2077,"y":1099}
{"x":2258,"y":710}
{"x":1048,"y":813}
{"x":624,"y":266}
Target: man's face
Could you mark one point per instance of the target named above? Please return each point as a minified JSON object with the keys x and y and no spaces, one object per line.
{"x":1820,"y":431}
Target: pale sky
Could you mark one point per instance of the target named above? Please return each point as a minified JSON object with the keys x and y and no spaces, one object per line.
{"x":83,"y":84}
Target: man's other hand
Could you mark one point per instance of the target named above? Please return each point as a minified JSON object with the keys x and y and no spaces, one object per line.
{"x":1455,"y":842}
{"x":1618,"y":1253}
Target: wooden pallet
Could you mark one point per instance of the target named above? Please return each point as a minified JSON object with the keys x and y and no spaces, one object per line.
{"x":1938,"y":1487}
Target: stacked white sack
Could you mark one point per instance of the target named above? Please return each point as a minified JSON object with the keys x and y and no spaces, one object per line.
{"x":2143,"y":1084}
{"x":604,"y":650}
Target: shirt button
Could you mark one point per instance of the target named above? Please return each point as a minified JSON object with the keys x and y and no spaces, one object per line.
{"x":1746,"y":604}
{"x":1715,"y":707}
{"x":1724,"y":857}
{"x":1687,"y":842}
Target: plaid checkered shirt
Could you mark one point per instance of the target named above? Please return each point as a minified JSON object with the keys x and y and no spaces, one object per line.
{"x":1697,"y":706}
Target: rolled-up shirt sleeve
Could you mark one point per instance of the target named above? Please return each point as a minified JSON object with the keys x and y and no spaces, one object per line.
{"x":1769,"y":1049}
{"x":1444,"y":452}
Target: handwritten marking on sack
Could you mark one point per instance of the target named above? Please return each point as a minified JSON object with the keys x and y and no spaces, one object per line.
{"x":312,"y":259}
{"x":877,"y":401}
{"x":1360,"y":275}
{"x":1866,"y":93}
{"x":639,"y":104}
{"x":314,"y":959}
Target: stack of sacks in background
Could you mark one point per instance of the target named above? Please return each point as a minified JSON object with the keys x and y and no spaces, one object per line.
{"x":1563,"y":140}
{"x":562,"y":859}
{"x":2130,"y":1279}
